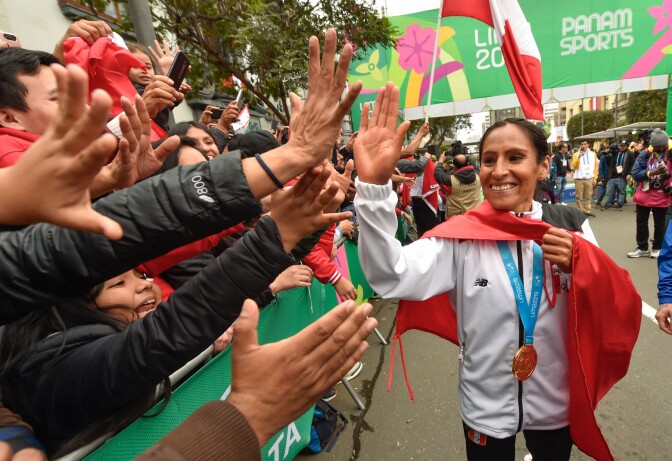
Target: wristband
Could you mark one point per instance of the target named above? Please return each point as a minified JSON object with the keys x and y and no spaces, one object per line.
{"x":268,"y":171}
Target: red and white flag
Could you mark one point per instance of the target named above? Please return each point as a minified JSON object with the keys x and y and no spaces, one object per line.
{"x":520,"y":51}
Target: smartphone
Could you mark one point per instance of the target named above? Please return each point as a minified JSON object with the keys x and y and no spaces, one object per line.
{"x":178,"y":70}
{"x":274,"y":125}
{"x":239,"y":98}
{"x":216,"y":113}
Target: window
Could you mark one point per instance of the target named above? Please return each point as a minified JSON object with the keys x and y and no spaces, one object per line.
{"x":75,"y":9}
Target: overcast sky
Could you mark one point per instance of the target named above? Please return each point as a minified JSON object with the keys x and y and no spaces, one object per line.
{"x":400,"y":7}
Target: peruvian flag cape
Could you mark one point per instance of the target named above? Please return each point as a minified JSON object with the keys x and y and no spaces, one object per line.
{"x":520,"y":51}
{"x":603,"y":316}
{"x":107,"y":65}
{"x":430,"y":188}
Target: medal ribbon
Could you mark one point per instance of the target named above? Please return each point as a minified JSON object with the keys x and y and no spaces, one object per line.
{"x":528,"y":310}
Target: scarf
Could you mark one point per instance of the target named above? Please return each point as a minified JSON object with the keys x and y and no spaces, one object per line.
{"x":602,"y":325}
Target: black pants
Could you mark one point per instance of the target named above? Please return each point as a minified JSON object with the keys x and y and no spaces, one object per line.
{"x":554,"y":445}
{"x":424,"y":216}
{"x":643,"y":227}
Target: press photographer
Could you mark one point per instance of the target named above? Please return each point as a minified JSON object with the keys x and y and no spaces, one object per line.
{"x":652,"y":172}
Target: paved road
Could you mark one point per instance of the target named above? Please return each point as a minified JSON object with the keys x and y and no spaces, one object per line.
{"x":636,"y":416}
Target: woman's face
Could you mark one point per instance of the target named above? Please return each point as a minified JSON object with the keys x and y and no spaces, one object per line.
{"x":189,"y":156}
{"x":129,"y":296}
{"x":138,"y":75}
{"x":509,"y":169}
{"x":204,"y":140}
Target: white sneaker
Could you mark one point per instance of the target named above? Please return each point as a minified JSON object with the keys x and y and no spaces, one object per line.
{"x":639,"y":253}
{"x":654,"y":254}
{"x":354,"y":371}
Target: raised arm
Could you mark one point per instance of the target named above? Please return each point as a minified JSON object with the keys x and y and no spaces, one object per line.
{"x":417,"y":271}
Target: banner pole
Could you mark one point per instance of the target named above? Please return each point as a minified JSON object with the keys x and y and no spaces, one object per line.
{"x":431,"y":76}
{"x":668,"y":119}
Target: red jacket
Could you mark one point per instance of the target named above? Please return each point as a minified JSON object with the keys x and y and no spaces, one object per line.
{"x":13,"y":143}
{"x":598,"y":347}
{"x":319,"y":259}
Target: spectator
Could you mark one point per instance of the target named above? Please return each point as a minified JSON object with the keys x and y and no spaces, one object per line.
{"x":585,"y":165}
{"x":462,"y":186}
{"x":205,"y":140}
{"x":39,"y":383}
{"x":616,"y":179}
{"x":602,"y":175}
{"x":186,"y":153}
{"x":652,"y":196}
{"x":560,"y":160}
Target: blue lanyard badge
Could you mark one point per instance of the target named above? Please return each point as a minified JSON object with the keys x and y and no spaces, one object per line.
{"x":619,"y":161}
{"x":528,"y":311}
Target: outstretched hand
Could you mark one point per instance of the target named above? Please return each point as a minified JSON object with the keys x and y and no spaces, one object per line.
{"x":299,"y":210}
{"x":51,"y":180}
{"x":316,"y":124}
{"x":379,"y":141}
{"x":273,"y":384}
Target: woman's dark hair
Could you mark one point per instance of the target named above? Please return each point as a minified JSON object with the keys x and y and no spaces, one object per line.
{"x":535,"y":134}
{"x":173,"y":159}
{"x":182,"y":128}
{"x":20,"y":338}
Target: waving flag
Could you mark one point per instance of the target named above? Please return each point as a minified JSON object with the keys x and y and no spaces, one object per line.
{"x":520,"y":51}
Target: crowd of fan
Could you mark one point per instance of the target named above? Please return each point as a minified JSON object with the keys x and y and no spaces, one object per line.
{"x":189,"y":223}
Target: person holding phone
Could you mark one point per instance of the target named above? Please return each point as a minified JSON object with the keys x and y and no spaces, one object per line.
{"x":156,"y":90}
{"x":223,"y":130}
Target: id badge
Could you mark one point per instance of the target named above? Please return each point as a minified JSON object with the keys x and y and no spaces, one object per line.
{"x":619,"y":169}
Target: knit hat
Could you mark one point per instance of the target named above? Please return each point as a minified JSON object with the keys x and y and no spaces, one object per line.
{"x":254,"y":142}
{"x":659,"y":138}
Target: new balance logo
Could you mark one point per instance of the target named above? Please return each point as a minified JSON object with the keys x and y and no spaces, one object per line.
{"x":481,"y":283}
{"x":205,"y":198}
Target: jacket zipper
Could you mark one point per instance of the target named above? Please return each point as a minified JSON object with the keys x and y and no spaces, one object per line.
{"x":521,"y":336}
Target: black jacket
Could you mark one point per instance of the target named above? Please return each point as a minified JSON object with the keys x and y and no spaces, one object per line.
{"x":99,"y":370}
{"x":561,"y":163}
{"x":45,"y":264}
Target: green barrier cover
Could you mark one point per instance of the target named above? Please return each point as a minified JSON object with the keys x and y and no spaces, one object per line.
{"x":580,"y":42}
{"x":402,"y":229}
{"x":290,"y":313}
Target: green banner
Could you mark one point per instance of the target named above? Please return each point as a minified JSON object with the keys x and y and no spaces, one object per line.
{"x":291,"y":312}
{"x":580,"y":41}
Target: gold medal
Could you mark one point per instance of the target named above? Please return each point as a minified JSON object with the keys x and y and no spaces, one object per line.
{"x":524,"y":362}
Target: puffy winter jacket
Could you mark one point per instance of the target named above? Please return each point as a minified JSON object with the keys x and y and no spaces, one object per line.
{"x":44,"y":264}
{"x":96,"y":370}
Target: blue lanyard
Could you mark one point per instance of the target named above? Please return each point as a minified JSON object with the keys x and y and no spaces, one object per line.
{"x":528,"y":311}
{"x":620,"y":159}
{"x":585,"y":159}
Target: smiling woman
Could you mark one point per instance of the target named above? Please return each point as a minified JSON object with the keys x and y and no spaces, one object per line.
{"x":517,"y":379}
{"x":514,"y":158}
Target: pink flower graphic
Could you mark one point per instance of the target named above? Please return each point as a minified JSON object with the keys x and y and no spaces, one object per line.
{"x":658,"y":50}
{"x":416,"y":48}
{"x":663,"y":14}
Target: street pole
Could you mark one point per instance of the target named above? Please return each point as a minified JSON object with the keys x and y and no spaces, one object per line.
{"x":141,"y":16}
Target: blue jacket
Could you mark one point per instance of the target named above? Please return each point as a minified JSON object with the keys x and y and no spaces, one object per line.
{"x":639,"y":168}
{"x":665,"y":269}
{"x":603,"y":168}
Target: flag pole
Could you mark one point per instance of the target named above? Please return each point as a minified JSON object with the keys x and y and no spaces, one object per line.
{"x":431,"y":76}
